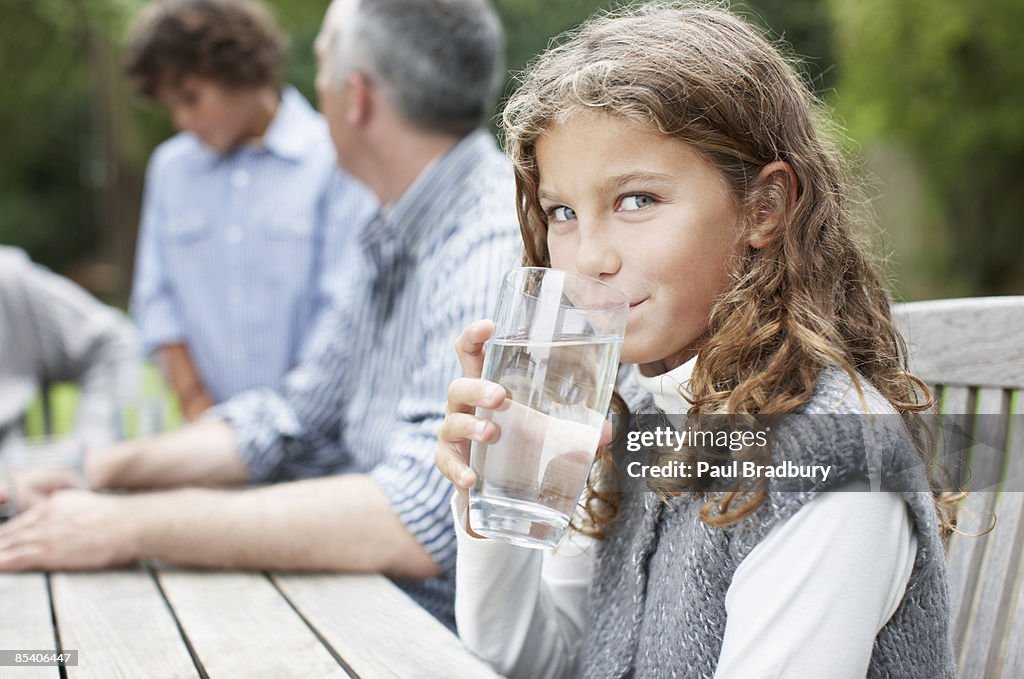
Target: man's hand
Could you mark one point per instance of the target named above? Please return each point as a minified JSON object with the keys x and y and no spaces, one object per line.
{"x":72,"y":530}
{"x":28,"y":487}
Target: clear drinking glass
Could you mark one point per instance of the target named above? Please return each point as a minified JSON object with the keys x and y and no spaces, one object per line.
{"x":555,"y":349}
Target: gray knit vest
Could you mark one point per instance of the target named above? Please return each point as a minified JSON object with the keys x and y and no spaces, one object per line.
{"x":657,"y":600}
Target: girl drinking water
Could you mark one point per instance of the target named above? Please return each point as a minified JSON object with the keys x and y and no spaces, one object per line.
{"x":672,"y":152}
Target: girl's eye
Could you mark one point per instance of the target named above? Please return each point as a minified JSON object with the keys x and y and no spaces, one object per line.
{"x":636,"y":201}
{"x":561,"y":214}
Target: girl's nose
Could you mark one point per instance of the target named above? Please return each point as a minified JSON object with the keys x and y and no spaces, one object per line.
{"x":596,"y":255}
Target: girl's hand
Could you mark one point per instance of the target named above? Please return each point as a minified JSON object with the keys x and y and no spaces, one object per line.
{"x":570,"y":445}
{"x":461,"y":426}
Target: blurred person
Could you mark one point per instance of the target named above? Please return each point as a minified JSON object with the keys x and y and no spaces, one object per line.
{"x":406,"y":87}
{"x":51,"y":330}
{"x":245,"y":217}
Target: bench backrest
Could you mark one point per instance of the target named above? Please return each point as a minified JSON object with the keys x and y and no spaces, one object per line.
{"x":971,"y":352}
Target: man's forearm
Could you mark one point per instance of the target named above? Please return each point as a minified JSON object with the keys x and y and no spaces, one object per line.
{"x":338,"y":523}
{"x":203,"y":453}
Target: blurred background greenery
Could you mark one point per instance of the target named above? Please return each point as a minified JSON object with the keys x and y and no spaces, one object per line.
{"x":928,"y":89}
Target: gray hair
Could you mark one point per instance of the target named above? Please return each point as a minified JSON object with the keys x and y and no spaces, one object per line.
{"x":439,"y":63}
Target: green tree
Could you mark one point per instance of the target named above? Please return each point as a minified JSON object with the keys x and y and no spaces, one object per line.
{"x":803,"y":28}
{"x":530,"y":25}
{"x":62,"y":170}
{"x":941,"y":78}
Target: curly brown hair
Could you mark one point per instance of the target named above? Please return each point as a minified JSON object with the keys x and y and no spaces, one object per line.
{"x":235,"y":43}
{"x":809,"y":298}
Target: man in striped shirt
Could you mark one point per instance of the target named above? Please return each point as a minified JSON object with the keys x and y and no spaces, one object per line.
{"x":405,"y":86}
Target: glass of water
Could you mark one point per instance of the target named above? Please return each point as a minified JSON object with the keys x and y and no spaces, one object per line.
{"x":555,"y":350}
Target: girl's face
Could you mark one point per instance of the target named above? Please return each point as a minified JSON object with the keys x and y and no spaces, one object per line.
{"x":646,"y":213}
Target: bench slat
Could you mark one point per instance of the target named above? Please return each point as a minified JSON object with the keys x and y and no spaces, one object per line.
{"x":973,"y":515}
{"x":974,"y":341}
{"x":1014,"y":664}
{"x":991,"y":424}
{"x":957,"y":410}
{"x":240,"y":626}
{"x":1014,"y":653}
{"x":984,"y":644}
{"x":378,"y":629}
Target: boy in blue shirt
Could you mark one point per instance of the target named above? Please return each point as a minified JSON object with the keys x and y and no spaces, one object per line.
{"x":245,"y":217}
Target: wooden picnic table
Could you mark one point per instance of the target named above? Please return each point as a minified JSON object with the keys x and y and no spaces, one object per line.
{"x":157,"y":621}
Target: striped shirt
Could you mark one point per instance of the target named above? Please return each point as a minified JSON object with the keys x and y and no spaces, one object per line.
{"x":371,"y":396}
{"x":239,"y":254}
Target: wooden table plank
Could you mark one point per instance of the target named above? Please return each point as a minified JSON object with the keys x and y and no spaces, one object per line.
{"x":25,"y":622}
{"x":120,"y":625}
{"x":378,"y":629}
{"x":240,"y":626}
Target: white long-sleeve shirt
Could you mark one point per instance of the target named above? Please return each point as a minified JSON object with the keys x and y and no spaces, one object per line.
{"x":808,"y":601}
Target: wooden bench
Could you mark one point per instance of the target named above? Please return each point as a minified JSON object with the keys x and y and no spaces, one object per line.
{"x":971,"y":352}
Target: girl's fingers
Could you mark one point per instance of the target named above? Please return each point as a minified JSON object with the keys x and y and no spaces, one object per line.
{"x":450,"y":460}
{"x":458,"y":427}
{"x":453,"y":459}
{"x":465,"y":394}
{"x":470,"y":347}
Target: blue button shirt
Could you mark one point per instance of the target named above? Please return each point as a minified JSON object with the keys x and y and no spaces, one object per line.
{"x":241,"y":254}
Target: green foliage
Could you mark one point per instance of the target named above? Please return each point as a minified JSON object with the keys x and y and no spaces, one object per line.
{"x":802,"y":29}
{"x":530,"y":25}
{"x":41,"y":198}
{"x":941,"y":78}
